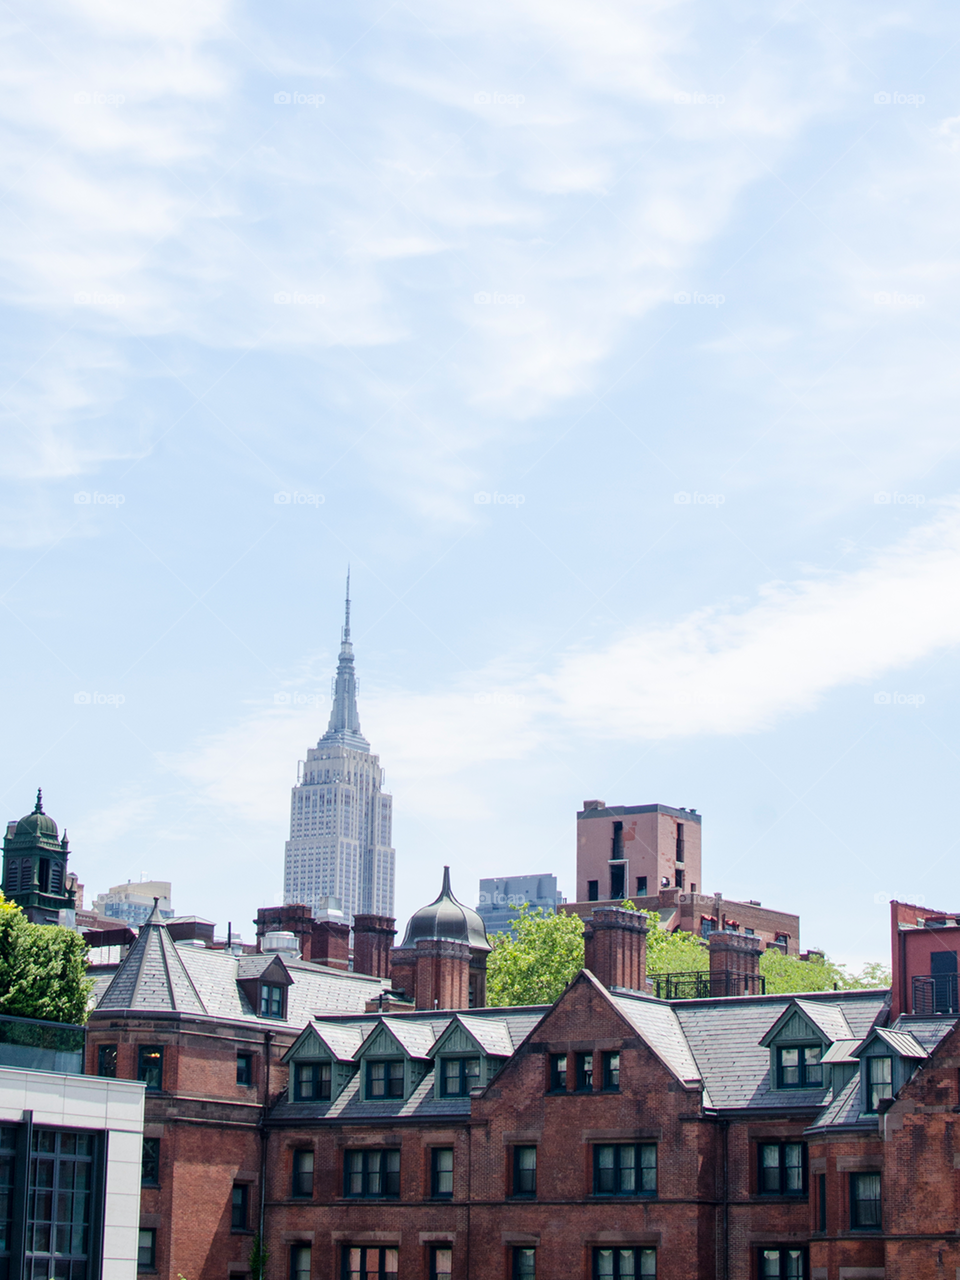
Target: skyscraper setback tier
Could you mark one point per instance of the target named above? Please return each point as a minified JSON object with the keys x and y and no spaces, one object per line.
{"x":340,"y":816}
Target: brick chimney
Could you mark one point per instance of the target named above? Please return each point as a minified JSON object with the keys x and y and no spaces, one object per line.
{"x":373,"y":937}
{"x":329,"y":943}
{"x":441,"y":978}
{"x":615,"y":947}
{"x":734,"y":965}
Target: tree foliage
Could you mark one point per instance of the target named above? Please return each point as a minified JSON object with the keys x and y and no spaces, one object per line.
{"x":536,"y":965}
{"x":676,"y":952}
{"x":786,"y":974}
{"x":43,"y":969}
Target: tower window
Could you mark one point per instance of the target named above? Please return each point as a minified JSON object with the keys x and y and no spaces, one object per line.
{"x":43,"y":875}
{"x":593,"y":890}
{"x":641,"y":886}
{"x":679,"y":857}
{"x":617,"y":871}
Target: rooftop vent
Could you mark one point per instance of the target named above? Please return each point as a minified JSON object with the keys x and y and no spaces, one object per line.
{"x":281,"y":943}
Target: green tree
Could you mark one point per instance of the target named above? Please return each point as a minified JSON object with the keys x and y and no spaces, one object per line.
{"x":786,"y":974}
{"x":259,"y":1255}
{"x":536,"y":965}
{"x":676,"y":952}
{"x":43,"y":969}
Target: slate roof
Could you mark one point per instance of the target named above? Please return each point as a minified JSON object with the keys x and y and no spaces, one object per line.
{"x":491,"y":1034}
{"x":158,"y":975}
{"x":152,"y":976}
{"x":902,"y":1043}
{"x":926,"y":1031}
{"x":660,"y":1028}
{"x":844,"y":1109}
{"x":724,"y":1038}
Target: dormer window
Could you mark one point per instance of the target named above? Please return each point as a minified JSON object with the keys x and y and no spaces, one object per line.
{"x":459,"y":1076}
{"x":798,"y":1067}
{"x":312,"y":1081}
{"x":272,"y":1001}
{"x":385,"y":1079}
{"x":879,"y":1082}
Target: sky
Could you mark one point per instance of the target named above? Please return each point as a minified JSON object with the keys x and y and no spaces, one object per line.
{"x":612,"y":345}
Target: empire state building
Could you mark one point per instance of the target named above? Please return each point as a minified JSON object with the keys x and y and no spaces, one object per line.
{"x":340,"y":816}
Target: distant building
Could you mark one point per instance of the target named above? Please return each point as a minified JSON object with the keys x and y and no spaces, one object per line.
{"x":35,"y":868}
{"x":500,"y":898}
{"x":649,"y":854}
{"x":133,"y":902}
{"x":340,"y":816}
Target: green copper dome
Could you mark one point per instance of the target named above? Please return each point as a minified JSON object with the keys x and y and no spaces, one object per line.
{"x":37,"y":823}
{"x":446,"y":919}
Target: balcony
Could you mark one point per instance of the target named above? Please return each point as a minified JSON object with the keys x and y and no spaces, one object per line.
{"x":41,"y":1046}
{"x":935,"y":994}
{"x":702,"y":985}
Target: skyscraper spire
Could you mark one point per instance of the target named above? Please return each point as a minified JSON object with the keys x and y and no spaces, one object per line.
{"x":344,"y":723}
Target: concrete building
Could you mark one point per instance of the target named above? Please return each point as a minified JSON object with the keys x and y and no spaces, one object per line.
{"x":70,"y":1160}
{"x":501,"y":897}
{"x":340,"y":816}
{"x":133,"y":902}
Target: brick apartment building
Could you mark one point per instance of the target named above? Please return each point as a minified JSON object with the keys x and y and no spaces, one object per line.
{"x":378,"y":1125}
{"x":651,"y":855}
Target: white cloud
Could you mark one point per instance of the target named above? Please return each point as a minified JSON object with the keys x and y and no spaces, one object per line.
{"x":725,"y":669}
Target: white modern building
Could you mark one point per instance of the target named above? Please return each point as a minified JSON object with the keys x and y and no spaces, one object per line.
{"x":133,"y":902}
{"x":340,"y":816}
{"x":70,"y":1164}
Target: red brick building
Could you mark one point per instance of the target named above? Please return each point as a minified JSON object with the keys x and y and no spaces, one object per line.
{"x":740,"y":1137}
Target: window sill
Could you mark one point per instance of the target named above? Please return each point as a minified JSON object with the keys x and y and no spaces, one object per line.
{"x":624,"y":1195}
{"x":242,"y":1231}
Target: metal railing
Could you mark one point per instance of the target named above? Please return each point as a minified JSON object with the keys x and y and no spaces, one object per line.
{"x":41,"y":1046}
{"x":934,"y":994}
{"x":702,"y":985}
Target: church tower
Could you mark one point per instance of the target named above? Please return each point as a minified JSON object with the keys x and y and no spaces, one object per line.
{"x":35,"y":867}
{"x":340,"y":816}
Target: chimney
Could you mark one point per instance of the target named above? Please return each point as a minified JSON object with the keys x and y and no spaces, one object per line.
{"x":330,"y":944}
{"x":593,"y":804}
{"x":615,"y":947}
{"x":372,"y":939}
{"x":735,"y":965}
{"x":441,"y":975}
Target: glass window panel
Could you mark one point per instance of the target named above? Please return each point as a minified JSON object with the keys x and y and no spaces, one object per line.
{"x":603,"y":1263}
{"x":813,"y":1072}
{"x":793,"y":1168}
{"x":648,"y":1262}
{"x":789,"y":1068}
{"x":770,"y":1264}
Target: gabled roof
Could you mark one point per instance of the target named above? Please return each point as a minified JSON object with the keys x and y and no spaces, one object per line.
{"x":901,"y":1042}
{"x":840,"y":1051}
{"x":827,"y":1019}
{"x":659,"y":1028}
{"x":340,"y":1040}
{"x":491,"y":1034}
{"x":152,"y":976}
{"x":414,"y":1038}
{"x":926,"y":1031}
{"x":263,"y":968}
{"x":844,"y":1109}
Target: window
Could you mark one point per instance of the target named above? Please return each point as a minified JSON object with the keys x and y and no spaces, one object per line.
{"x":147,"y":1250}
{"x":679,"y":857}
{"x":865,"y":1202}
{"x":524,"y":1171}
{"x":800,"y":1068}
{"x":584,"y":1072}
{"x":150,"y":1066}
{"x":107,"y":1061}
{"x":678,"y":880}
{"x":385,"y":1079}
{"x":271,"y":1001}
{"x":238,"y":1206}
{"x":458,"y":1076}
{"x":558,"y":1073}
{"x":302,"y":1174}
{"x":707,"y":926}
{"x":624,"y":1264}
{"x":441,"y":1261}
{"x":312,"y":1081}
{"x":150,"y":1163}
{"x":441,"y":1173}
{"x":59,"y":1194}
{"x":611,"y":1070}
{"x":372,"y":1174}
{"x":368,"y":1263}
{"x":300,"y":1262}
{"x":641,"y":886}
{"x":616,"y":851}
{"x":593,"y":890}
{"x":617,"y":876}
{"x":821,"y":1202}
{"x":783,"y":1264}
{"x":244,"y":1068}
{"x":625,"y":1170}
{"x":782,"y":1169}
{"x":879,"y":1081}
{"x":524,"y":1264}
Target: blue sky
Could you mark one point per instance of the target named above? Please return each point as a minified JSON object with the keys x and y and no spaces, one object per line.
{"x":613,"y":345}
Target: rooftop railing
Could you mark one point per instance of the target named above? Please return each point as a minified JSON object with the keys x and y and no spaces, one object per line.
{"x":702,"y":985}
{"x":935,"y":994}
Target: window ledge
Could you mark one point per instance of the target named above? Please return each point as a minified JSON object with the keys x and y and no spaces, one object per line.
{"x":242,"y":1231}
